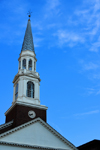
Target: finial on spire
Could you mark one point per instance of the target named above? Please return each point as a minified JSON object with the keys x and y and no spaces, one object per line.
{"x":28,"y":38}
{"x":29,"y":14}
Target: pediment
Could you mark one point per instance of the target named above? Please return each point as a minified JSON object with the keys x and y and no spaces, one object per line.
{"x":37,"y":133}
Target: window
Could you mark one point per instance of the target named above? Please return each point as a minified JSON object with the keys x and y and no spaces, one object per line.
{"x":16,"y":91}
{"x":24,"y":63}
{"x":30,"y":89}
{"x":19,"y":64}
{"x":30,"y":65}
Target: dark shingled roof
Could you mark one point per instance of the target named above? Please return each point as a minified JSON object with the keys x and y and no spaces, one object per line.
{"x":92,"y":145}
{"x":28,"y":39}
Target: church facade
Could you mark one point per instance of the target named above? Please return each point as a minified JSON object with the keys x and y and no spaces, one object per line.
{"x":26,"y":125}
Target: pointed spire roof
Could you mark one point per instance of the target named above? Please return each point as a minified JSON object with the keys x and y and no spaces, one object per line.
{"x":28,"y":39}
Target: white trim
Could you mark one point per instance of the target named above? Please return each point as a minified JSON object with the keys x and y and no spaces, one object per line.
{"x":27,"y":53}
{"x":45,"y":125}
{"x":30,"y":74}
{"x":29,"y":146}
{"x":25,"y":104}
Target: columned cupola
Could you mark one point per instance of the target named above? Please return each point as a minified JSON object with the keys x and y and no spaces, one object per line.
{"x":27,"y":80}
{"x":26,"y":94}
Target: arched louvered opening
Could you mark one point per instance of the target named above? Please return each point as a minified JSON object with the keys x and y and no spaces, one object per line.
{"x":16,"y":91}
{"x":30,"y":89}
{"x":30,"y":65}
{"x":24,"y":63}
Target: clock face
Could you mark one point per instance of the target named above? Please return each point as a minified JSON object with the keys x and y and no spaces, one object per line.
{"x":31,"y":114}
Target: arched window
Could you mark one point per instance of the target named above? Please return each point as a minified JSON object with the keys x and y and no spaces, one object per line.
{"x":16,"y":91}
{"x":30,"y":89}
{"x":30,"y":65}
{"x":24,"y":63}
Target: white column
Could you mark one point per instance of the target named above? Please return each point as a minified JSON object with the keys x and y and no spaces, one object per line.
{"x":25,"y":87}
{"x":35,"y":66}
{"x":36,"y":90}
{"x":13,"y":93}
{"x":32,"y":64}
{"x":21,"y":62}
{"x":22,"y":87}
{"x":39,"y":90}
{"x":27,"y":63}
{"x":19,"y":88}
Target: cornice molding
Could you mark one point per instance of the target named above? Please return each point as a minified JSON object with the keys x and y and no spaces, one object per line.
{"x":26,"y":75}
{"x":28,"y":146}
{"x":27,"y":53}
{"x":24,"y":104}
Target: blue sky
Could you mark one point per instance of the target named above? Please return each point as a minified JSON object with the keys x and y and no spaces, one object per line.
{"x":66,"y":37}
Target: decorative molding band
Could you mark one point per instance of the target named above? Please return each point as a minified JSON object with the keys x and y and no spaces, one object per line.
{"x":29,"y":146}
{"x":24,"y":104}
{"x":33,"y":76}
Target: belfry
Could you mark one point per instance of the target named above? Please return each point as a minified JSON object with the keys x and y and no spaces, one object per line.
{"x":26,"y":124}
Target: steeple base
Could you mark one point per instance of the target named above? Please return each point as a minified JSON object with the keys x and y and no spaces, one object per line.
{"x":27,"y":100}
{"x":21,"y":113}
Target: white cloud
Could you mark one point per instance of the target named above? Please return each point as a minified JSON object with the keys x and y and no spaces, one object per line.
{"x":37,"y":25}
{"x":91,"y":69}
{"x":53,"y":25}
{"x":88,"y":17}
{"x":84,"y":25}
{"x":70,"y":38}
{"x":53,"y":4}
{"x":89,"y":65}
{"x":53,"y":19}
{"x":52,"y":8}
{"x":96,"y":45}
{"x":98,"y":92}
{"x":87,"y":113}
{"x":90,"y":91}
{"x":94,"y":90}
{"x":96,"y":76}
{"x":37,"y":41}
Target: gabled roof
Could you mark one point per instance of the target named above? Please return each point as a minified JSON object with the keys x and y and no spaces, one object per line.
{"x":44,"y":125}
{"x":28,"y":39}
{"x":94,"y":144}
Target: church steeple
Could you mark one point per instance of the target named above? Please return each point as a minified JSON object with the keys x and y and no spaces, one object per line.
{"x":27,"y":80}
{"x":28,"y":38}
{"x":26,"y":94}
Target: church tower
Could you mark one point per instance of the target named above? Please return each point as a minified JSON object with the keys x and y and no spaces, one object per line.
{"x":26,"y":94}
{"x":26,"y":126}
